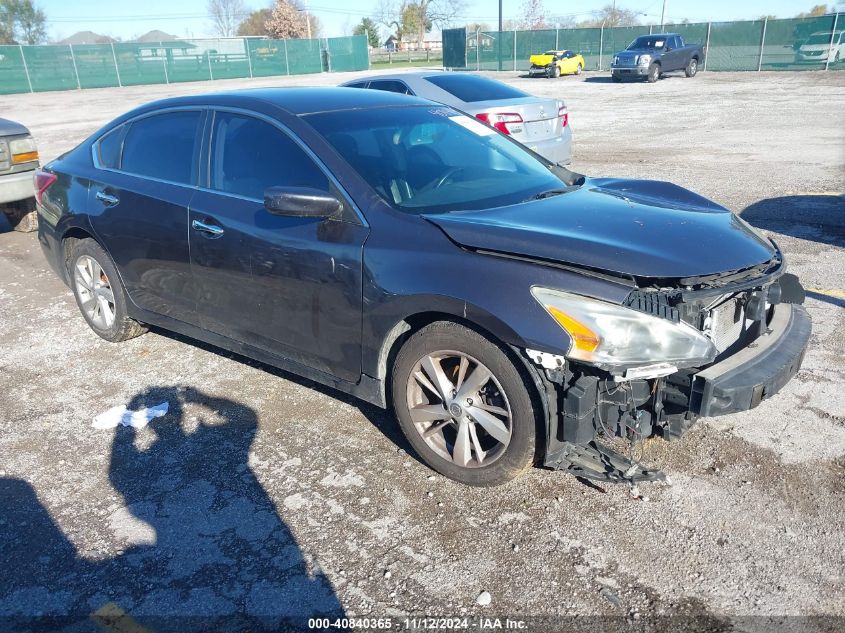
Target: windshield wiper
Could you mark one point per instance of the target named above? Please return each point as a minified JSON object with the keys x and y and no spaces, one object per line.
{"x":552,"y":192}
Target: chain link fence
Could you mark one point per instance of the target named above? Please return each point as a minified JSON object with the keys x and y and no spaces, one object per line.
{"x":816,"y":43}
{"x":70,"y":67}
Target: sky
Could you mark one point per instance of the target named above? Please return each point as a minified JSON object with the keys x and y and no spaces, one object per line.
{"x":188,"y":18}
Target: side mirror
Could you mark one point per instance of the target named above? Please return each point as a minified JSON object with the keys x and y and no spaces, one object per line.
{"x":300,"y":202}
{"x":667,"y":48}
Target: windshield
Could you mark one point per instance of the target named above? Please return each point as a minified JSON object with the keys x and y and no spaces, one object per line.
{"x":819,"y":38}
{"x":647,"y":41}
{"x":434,"y":159}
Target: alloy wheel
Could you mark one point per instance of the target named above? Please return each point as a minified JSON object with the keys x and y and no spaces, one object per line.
{"x":96,"y":296}
{"x":459,"y":408}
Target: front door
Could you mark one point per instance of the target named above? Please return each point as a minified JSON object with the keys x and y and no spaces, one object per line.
{"x":289,"y":285}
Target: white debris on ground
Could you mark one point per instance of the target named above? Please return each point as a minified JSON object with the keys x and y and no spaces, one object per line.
{"x":120,"y":415}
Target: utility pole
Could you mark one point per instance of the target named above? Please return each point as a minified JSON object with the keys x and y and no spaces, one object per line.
{"x":663,"y":14}
{"x":499,"y":36}
{"x":308,"y":19}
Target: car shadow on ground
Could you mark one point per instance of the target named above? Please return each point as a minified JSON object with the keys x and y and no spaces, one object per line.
{"x":817,"y":218}
{"x":203,"y":547}
{"x":381,"y":419}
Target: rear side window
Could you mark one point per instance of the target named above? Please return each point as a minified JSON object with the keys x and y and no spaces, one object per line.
{"x":472,"y":88}
{"x":162,"y":146}
{"x":390,"y":86}
{"x":357,"y":84}
{"x":108,"y":148}
{"x":250,"y":155}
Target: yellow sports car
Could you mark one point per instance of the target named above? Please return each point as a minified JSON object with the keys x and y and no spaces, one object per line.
{"x":556,"y":63}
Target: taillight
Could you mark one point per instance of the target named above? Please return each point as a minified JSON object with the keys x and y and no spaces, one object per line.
{"x":43,"y":180}
{"x":564,"y":116}
{"x":500,"y":120}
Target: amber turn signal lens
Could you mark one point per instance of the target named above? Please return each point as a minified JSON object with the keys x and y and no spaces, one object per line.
{"x":25,"y":157}
{"x":582,"y":337}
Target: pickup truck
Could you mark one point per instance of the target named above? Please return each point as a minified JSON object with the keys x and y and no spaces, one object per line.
{"x":650,"y":56}
{"x":18,"y":162}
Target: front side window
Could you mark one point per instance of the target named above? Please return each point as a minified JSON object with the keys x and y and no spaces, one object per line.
{"x":434,"y":159}
{"x":162,"y":146}
{"x":249,"y":155}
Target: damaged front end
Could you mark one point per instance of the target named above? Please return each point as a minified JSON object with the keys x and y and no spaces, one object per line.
{"x":715,"y":344}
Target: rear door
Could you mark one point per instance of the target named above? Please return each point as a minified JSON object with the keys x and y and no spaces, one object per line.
{"x":288,"y":285}
{"x":139,"y":206}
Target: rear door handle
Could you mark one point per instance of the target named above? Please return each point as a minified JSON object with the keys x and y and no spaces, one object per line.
{"x":107,"y":199}
{"x":212,"y":230}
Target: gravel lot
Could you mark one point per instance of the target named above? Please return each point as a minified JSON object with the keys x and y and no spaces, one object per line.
{"x":260,"y":494}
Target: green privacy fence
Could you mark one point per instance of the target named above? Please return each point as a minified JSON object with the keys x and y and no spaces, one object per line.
{"x":816,"y":43}
{"x":42,"y":68}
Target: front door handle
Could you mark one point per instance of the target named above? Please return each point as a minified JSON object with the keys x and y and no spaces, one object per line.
{"x":211,"y":230}
{"x":107,"y":199}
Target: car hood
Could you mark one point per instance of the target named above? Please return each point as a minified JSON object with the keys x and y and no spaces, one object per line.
{"x":634,"y":227}
{"x":640,"y":51}
{"x":8,"y":128}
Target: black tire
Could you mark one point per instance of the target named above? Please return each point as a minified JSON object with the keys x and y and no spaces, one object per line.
{"x":22,"y":215}
{"x":692,"y":67}
{"x":122,"y":328}
{"x":556,"y":72}
{"x":616,"y":78}
{"x":521,"y":451}
{"x":653,"y":73}
{"x":578,"y":69}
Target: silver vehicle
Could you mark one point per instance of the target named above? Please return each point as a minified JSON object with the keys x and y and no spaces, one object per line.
{"x":541,"y":124}
{"x":18,"y":162}
{"x":822,"y":47}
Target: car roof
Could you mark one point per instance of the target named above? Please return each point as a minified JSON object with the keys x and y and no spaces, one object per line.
{"x":297,"y":101}
{"x":659,"y":35}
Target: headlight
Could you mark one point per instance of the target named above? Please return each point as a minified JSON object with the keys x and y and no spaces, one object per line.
{"x":615,"y":60}
{"x":642,"y":60}
{"x":23,"y":150}
{"x":610,"y":335}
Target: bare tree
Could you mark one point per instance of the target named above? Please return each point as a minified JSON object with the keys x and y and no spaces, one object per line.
{"x":535,"y":15}
{"x":226,"y":15}
{"x":414,"y":18}
{"x":611,"y":16}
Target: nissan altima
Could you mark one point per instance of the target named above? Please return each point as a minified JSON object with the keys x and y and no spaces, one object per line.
{"x":508,"y":310}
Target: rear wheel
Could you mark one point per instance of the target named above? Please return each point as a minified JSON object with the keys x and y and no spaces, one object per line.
{"x":578,"y":69}
{"x":464,"y":406}
{"x":692,"y":68}
{"x":653,"y":73}
{"x":99,"y":293}
{"x":22,"y":215}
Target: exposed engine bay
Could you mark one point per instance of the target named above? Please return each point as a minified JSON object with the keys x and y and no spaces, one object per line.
{"x":759,"y":331}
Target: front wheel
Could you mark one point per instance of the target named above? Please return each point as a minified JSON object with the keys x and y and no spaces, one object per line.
{"x":99,"y":293}
{"x":653,"y":73}
{"x":692,"y":68}
{"x":556,"y":72}
{"x":464,"y":406}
